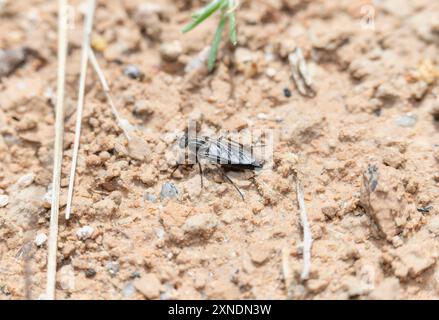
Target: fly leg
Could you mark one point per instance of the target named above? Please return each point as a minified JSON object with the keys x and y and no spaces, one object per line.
{"x":231,"y":181}
{"x":177,"y":165}
{"x":201,"y":175}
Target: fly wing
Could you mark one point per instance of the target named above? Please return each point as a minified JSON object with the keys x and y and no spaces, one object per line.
{"x":223,"y":151}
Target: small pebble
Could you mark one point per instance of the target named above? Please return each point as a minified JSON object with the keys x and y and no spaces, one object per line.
{"x":47,"y":198}
{"x":150,"y":197}
{"x":408,"y":120}
{"x":287,"y":92}
{"x":90,"y":273}
{"x":40,"y":239}
{"x":168,"y":191}
{"x":270,"y":72}
{"x":26,"y":180}
{"x":171,"y":51}
{"x":149,"y":285}
{"x":4,"y":200}
{"x":133,"y":72}
{"x":113,"y":267}
{"x":128,"y":290}
{"x":11,"y":59}
{"x":84,"y":232}
{"x":98,"y":43}
{"x":201,"y":223}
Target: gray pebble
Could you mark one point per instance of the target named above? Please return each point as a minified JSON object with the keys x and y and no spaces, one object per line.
{"x":11,"y":59}
{"x":90,"y":273}
{"x":168,"y":191}
{"x":113,"y":267}
{"x":133,"y":72}
{"x":150,"y":197}
{"x":128,"y":290}
{"x":407,"y":120}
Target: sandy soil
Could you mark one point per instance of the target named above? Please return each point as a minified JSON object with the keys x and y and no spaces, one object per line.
{"x":376,"y":105}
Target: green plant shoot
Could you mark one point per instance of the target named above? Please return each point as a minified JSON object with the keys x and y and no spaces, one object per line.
{"x":227,"y":9}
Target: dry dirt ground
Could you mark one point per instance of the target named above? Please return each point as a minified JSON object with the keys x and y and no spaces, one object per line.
{"x":367,"y":150}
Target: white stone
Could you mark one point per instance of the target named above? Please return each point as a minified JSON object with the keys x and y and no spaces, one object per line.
{"x":4,"y":200}
{"x":26,"y":180}
{"x":85,"y":232}
{"x":40,"y":239}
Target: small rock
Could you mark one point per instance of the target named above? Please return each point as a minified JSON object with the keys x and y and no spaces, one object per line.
{"x":133,"y":72}
{"x":128,"y":290}
{"x":148,"y":285}
{"x":147,"y":16}
{"x":98,"y":43}
{"x":388,"y":289}
{"x":85,"y":232}
{"x":393,"y":158}
{"x":247,"y":62}
{"x":11,"y":59}
{"x":387,"y":92}
{"x":259,"y":255}
{"x":204,"y":223}
{"x":317,"y":285}
{"x":68,"y":249}
{"x":419,"y":89}
{"x":413,"y":260}
{"x":113,"y":267}
{"x":26,"y":180}
{"x":433,"y":226}
{"x":90,"y":273}
{"x":330,"y":211}
{"x":47,"y":198}
{"x":397,"y":241}
{"x":287,"y":93}
{"x":4,"y":200}
{"x":143,"y":108}
{"x":355,"y":287}
{"x":67,"y":277}
{"x":171,"y":51}
{"x":40,"y":239}
{"x":270,"y":72}
{"x":407,"y":121}
{"x":150,"y":197}
{"x":169,"y":190}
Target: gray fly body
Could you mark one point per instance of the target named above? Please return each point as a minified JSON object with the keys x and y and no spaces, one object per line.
{"x":222,"y":152}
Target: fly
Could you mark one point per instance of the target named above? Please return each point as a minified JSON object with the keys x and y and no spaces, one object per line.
{"x":222,"y":152}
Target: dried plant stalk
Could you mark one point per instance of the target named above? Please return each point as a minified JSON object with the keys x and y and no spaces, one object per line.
{"x":58,"y":149}
{"x":88,"y":23}
{"x":106,"y":88}
{"x":307,"y":238}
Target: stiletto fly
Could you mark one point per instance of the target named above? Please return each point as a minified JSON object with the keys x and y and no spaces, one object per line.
{"x":222,"y":152}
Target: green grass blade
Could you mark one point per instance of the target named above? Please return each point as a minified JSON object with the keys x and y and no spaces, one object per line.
{"x":203,"y":14}
{"x":204,"y":9}
{"x":216,"y":41}
{"x":232,"y":23}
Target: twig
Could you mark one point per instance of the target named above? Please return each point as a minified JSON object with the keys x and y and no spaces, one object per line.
{"x":307,"y":238}
{"x":106,"y":88}
{"x":286,"y":270}
{"x":88,"y":22}
{"x":58,"y":149}
{"x":300,"y":74}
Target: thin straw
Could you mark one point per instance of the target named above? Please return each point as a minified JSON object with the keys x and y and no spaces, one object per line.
{"x":58,"y":149}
